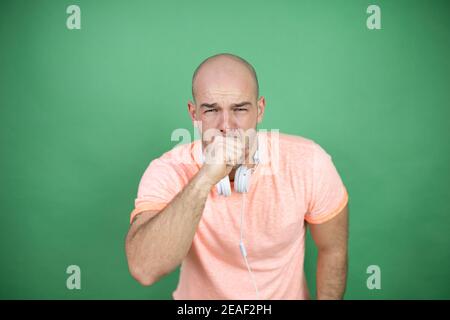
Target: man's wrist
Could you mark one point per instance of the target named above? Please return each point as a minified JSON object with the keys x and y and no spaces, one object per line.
{"x":203,"y":182}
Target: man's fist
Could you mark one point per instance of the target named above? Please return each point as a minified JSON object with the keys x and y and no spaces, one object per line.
{"x":222,"y":155}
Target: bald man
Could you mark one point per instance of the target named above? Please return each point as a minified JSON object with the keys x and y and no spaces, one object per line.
{"x":233,"y":207}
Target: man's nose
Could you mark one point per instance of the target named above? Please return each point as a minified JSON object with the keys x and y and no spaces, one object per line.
{"x":225,"y":123}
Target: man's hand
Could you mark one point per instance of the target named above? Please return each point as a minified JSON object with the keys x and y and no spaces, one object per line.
{"x":222,"y":155}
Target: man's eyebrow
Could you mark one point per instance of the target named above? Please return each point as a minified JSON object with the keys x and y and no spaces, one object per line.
{"x":208,"y":105}
{"x":241,"y":104}
{"x":234,"y":105}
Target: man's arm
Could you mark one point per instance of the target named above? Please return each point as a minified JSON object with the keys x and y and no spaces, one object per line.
{"x":155,"y":245}
{"x":331,"y":241}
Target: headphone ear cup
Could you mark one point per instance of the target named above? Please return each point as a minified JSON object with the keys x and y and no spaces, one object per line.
{"x":242,"y":179}
{"x":223,"y":187}
{"x":201,"y":158}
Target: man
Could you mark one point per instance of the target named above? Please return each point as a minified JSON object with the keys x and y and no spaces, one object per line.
{"x":180,"y":217}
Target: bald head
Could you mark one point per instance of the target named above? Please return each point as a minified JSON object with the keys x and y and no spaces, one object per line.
{"x":224,"y":72}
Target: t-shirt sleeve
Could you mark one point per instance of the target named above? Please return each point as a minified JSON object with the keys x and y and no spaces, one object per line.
{"x":328,"y":195}
{"x":159,"y":184}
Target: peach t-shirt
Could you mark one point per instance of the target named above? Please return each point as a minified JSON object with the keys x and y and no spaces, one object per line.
{"x":296,"y":181}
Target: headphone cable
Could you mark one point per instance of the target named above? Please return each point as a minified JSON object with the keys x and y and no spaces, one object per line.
{"x":242,"y":248}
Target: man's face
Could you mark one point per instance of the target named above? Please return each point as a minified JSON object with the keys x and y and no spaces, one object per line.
{"x":226,"y":100}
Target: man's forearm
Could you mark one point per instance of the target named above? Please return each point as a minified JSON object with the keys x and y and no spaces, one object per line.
{"x":160,"y":244}
{"x":331,"y":274}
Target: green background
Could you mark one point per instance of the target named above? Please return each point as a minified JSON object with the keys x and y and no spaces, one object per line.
{"x":83,"y":112}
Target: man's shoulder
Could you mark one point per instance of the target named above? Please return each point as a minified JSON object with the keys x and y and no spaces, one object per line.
{"x":303,"y":149}
{"x":300,"y":151}
{"x":181,"y":154}
{"x":295,"y":139}
{"x":290,"y":143}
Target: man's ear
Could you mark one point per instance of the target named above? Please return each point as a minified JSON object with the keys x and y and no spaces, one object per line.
{"x":261,"y":103}
{"x":192,"y":109}
{"x":197,"y":123}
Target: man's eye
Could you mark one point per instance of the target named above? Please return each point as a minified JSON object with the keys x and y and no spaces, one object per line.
{"x":240,"y":109}
{"x":214,"y":110}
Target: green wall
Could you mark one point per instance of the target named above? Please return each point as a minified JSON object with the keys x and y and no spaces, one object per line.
{"x":83,"y":112}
